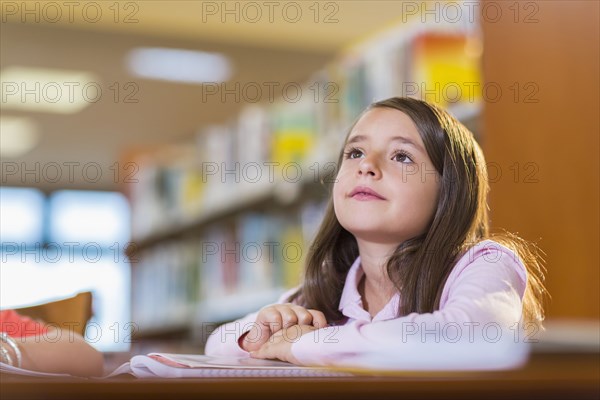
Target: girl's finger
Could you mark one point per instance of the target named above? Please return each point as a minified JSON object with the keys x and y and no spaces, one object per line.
{"x":271,"y":320}
{"x":288,"y":316}
{"x":318,"y":319}
{"x":303,"y":316}
{"x":256,"y":337}
{"x":256,"y":354}
{"x":263,"y":352}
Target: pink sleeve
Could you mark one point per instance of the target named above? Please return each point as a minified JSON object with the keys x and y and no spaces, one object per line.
{"x":482,"y":295}
{"x":223,"y":341}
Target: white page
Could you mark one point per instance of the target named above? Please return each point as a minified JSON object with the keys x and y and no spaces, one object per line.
{"x":203,"y":361}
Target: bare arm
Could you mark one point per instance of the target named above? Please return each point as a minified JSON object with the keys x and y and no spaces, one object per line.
{"x":59,"y":351}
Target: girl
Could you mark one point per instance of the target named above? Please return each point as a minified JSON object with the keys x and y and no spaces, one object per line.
{"x":404,"y":244}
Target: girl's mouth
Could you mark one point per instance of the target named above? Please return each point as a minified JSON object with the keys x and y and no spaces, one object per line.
{"x":365,"y":193}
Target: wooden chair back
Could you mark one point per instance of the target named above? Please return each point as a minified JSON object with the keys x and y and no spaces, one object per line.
{"x":68,"y":314}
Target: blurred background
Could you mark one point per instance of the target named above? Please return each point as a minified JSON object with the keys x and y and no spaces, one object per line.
{"x":173,"y":158}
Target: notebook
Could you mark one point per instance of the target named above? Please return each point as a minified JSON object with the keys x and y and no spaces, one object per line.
{"x":164,"y":365}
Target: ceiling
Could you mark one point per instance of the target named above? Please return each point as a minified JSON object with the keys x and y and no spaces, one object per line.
{"x":276,"y":50}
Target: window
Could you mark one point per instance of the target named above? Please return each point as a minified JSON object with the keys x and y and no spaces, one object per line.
{"x":21,"y":216}
{"x":73,"y":241}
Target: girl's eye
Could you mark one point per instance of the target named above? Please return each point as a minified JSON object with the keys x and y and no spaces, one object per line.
{"x":403,"y":157}
{"x":353,"y":153}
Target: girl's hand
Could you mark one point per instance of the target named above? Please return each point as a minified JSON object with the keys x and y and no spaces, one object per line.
{"x":272,"y":319}
{"x":279,"y":345}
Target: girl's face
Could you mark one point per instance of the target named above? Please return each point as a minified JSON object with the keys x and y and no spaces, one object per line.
{"x":387,"y":187}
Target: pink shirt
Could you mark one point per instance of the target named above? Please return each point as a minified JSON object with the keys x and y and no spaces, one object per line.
{"x":484,"y":289}
{"x":18,"y":326}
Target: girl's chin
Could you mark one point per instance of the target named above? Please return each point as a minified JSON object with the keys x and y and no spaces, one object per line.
{"x":374,"y":233}
{"x":365,"y":221}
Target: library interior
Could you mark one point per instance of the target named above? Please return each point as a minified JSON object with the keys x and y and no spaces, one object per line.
{"x":167,"y":165}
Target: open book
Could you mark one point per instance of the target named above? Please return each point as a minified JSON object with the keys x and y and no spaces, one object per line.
{"x":163,"y":365}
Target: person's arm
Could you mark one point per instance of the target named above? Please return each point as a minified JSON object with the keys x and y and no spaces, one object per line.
{"x":58,"y":351}
{"x":485,"y":295}
{"x":224,"y":341}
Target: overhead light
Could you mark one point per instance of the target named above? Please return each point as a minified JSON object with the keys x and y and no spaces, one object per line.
{"x":178,"y":65}
{"x":50,"y":90}
{"x":19,"y":136}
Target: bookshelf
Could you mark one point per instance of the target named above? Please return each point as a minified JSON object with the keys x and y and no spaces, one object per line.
{"x":213,"y":216}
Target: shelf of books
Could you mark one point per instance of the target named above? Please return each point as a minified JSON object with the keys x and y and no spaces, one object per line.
{"x":222,"y":224}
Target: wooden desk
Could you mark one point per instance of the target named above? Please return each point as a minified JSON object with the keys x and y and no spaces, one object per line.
{"x":546,"y":376}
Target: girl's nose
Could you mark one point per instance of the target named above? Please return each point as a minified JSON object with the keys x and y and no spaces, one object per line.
{"x":368,"y":166}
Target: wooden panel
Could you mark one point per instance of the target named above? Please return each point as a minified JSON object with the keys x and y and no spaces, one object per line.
{"x":548,"y":132}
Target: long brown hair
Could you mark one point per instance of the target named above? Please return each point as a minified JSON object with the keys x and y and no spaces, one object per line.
{"x":420,"y":266}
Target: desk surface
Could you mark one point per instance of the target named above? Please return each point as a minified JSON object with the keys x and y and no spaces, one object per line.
{"x":547,"y":375}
